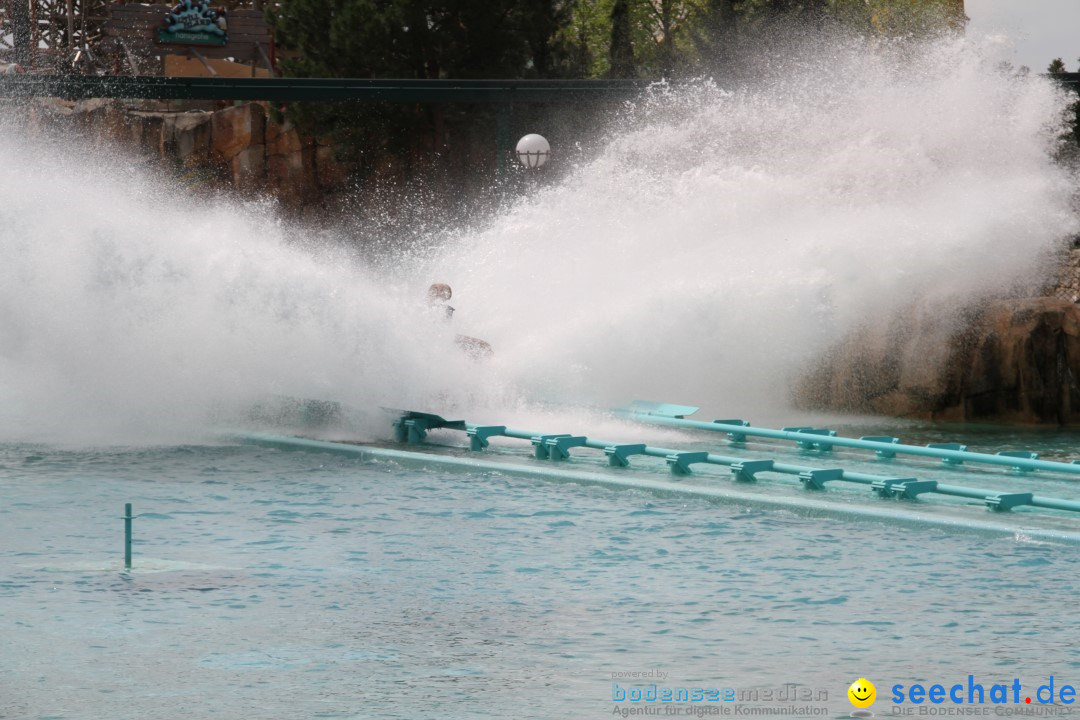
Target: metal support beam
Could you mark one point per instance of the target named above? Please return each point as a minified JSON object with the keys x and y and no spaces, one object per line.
{"x":22,"y":36}
{"x":266,"y":59}
{"x":70,"y":39}
{"x":130,"y":56}
{"x":202,"y":58}
{"x":319,"y":89}
{"x":502,"y":143}
{"x":811,"y":503}
{"x":950,"y":453}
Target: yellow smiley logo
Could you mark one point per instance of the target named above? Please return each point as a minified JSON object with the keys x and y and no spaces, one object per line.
{"x":862,"y":693}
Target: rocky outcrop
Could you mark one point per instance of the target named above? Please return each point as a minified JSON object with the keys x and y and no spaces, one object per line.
{"x":186,"y":136}
{"x":1067,"y":286}
{"x":240,"y":146}
{"x":1014,"y":361}
{"x":290,"y":161}
{"x":239,"y":140}
{"x":145,"y":131}
{"x":238,"y":128}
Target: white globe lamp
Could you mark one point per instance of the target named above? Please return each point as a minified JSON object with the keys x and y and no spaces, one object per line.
{"x":533,"y":150}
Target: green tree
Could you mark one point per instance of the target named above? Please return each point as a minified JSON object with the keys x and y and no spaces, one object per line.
{"x":760,"y":13}
{"x":664,"y":20}
{"x":416,"y":38}
{"x":422,"y":39}
{"x":1056,"y":67}
{"x":713,"y":32}
{"x":645,"y":38}
{"x":621,"y":50}
{"x":910,"y":18}
{"x":887,"y":17}
{"x":550,"y":53}
{"x":535,"y":39}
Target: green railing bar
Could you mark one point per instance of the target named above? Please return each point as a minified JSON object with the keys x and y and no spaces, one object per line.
{"x":1069,"y":80}
{"x":819,"y":508}
{"x":789,"y":469}
{"x":836,"y":440}
{"x":330,"y":89}
{"x":76,"y":87}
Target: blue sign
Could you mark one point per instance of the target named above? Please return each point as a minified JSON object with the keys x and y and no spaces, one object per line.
{"x":194,"y":22}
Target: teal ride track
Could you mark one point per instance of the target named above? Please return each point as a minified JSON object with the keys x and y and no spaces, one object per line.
{"x":877,"y":487}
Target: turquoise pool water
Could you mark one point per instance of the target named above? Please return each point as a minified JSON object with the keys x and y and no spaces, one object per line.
{"x":281,"y":585}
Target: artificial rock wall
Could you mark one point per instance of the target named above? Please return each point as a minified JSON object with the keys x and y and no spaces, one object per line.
{"x":236,"y":146}
{"x":1014,"y":361}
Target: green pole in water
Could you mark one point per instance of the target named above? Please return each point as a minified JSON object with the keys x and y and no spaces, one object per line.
{"x":127,"y":535}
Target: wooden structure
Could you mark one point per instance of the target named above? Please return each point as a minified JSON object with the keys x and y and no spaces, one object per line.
{"x":49,"y":34}
{"x":130,"y":37}
{"x":88,"y":36}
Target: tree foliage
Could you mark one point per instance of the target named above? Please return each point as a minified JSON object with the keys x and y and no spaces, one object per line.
{"x":556,"y":38}
{"x":420,"y":38}
{"x":537,"y":39}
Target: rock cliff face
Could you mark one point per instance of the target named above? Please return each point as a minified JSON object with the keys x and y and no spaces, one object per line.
{"x":1068,"y":280}
{"x":1015,"y":361}
{"x":239,"y":145}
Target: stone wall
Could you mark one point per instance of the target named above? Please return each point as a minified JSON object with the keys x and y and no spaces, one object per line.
{"x":1067,"y":286}
{"x":1015,"y":361}
{"x":238,"y":146}
{"x":1011,"y":360}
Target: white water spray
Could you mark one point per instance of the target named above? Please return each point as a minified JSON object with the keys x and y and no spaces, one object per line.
{"x":718,"y":244}
{"x":724,"y":239}
{"x":129,"y":313}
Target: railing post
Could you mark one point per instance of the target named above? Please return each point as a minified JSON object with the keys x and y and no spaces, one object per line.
{"x":502,"y":143}
{"x":127,"y":535}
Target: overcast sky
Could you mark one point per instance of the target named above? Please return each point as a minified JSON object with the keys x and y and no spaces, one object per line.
{"x":1040,"y":30}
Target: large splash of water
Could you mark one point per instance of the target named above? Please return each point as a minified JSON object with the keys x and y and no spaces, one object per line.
{"x":718,"y":243}
{"x":724,"y":239}
{"x":128,"y":312}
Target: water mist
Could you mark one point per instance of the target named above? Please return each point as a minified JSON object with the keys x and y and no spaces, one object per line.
{"x":720,"y":240}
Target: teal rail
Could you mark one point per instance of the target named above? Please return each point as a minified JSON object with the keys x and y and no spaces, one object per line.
{"x":823,"y":439}
{"x":412,"y":427}
{"x":906,"y":515}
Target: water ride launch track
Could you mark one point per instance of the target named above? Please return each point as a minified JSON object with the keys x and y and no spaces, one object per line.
{"x":746,"y":469}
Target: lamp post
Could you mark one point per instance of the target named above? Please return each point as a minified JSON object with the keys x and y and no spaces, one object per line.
{"x":533,"y":150}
